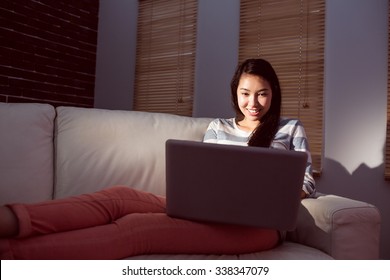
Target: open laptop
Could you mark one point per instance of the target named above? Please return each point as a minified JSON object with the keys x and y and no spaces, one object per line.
{"x":239,"y":185}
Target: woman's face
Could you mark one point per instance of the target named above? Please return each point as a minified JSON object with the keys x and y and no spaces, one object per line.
{"x":254,"y":96}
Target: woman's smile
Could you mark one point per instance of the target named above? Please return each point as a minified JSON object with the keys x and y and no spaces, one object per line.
{"x":254,"y":112}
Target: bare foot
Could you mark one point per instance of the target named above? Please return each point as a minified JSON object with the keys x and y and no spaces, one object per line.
{"x":9,"y":225}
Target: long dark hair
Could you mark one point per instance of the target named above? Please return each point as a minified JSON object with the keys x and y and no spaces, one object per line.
{"x":263,"y":135}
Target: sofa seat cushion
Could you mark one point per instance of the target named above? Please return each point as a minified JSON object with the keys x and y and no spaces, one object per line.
{"x":26,"y":152}
{"x":285,"y":251}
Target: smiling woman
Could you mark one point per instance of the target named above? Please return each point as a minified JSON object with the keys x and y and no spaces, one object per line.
{"x":254,"y":96}
{"x":255,"y":76}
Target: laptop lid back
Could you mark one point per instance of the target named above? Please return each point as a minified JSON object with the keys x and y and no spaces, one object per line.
{"x":239,"y":185}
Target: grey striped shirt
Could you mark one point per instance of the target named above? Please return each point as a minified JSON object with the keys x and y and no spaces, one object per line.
{"x":290,"y":136}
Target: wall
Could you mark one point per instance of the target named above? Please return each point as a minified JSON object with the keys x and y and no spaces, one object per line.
{"x":115,"y":62}
{"x":355,"y":105}
{"x":355,"y":85}
{"x":216,"y":57}
{"x":48,"y":51}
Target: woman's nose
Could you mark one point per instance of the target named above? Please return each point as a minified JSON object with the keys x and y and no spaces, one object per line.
{"x":253,"y":100}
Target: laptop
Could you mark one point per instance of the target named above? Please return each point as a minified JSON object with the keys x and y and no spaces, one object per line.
{"x":240,"y":185}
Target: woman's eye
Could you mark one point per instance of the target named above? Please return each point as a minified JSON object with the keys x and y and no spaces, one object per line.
{"x":263,"y":94}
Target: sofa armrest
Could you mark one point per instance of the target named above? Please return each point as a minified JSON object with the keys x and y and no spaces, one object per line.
{"x":341,"y":227}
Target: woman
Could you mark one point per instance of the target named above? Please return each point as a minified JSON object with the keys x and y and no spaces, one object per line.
{"x":119,"y":222}
{"x":256,"y":97}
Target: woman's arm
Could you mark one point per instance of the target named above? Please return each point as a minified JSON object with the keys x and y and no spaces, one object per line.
{"x":300,"y":143}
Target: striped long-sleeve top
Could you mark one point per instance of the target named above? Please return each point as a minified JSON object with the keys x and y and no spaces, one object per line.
{"x":290,"y":136}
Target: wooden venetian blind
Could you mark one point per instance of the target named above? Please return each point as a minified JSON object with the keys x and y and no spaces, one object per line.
{"x":387,"y":149}
{"x":290,"y":35}
{"x":166,"y":43}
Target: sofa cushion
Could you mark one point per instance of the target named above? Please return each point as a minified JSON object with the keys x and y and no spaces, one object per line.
{"x":97,"y":148}
{"x":26,"y":152}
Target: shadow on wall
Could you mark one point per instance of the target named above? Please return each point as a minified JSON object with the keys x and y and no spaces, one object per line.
{"x":364,"y":184}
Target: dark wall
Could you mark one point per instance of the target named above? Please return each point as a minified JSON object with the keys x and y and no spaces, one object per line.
{"x":48,"y":51}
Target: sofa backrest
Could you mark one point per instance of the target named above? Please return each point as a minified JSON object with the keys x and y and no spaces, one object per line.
{"x":26,"y":152}
{"x":98,"y":148}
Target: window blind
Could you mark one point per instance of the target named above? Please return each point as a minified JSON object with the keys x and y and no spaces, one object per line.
{"x":290,"y":35}
{"x":165,"y":62}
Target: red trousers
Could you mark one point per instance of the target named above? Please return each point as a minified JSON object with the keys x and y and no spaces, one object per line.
{"x":119,"y":222}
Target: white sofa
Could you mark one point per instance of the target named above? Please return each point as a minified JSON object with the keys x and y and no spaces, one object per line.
{"x":48,"y":153}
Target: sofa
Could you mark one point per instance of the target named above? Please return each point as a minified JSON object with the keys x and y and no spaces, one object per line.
{"x":49,"y":153}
